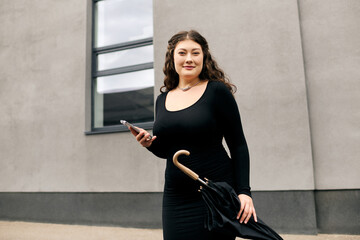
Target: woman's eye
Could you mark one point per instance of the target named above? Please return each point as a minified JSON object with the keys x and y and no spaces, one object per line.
{"x":181,"y":53}
{"x":196,"y":53}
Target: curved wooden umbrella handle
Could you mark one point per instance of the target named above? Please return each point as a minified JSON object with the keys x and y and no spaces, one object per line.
{"x":186,"y":170}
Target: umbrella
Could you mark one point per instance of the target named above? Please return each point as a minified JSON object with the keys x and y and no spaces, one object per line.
{"x":222,"y":205}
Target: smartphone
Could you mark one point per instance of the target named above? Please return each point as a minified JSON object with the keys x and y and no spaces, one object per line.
{"x":133,"y":127}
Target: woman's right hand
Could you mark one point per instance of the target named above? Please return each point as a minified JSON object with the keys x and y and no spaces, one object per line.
{"x":143,"y":137}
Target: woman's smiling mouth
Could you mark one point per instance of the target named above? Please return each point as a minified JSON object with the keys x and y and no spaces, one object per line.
{"x":189,"y":67}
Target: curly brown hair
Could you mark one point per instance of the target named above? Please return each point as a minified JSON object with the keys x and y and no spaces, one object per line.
{"x":211,"y":71}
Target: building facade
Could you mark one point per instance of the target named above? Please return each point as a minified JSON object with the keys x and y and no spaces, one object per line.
{"x":295,"y":64}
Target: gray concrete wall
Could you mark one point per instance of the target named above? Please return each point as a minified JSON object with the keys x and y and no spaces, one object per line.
{"x":46,"y":55}
{"x":259,"y":47}
{"x":46,"y":50}
{"x":45,"y":69}
{"x":331,"y":33}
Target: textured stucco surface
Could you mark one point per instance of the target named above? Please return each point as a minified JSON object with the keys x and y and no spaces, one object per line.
{"x":331,"y":33}
{"x":43,"y":146}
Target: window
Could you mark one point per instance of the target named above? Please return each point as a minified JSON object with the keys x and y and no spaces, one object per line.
{"x":122,"y":74}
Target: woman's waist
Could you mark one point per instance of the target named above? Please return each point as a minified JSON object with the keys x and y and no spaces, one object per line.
{"x":200,"y":157}
{"x":214,"y":164}
{"x":197,"y":151}
{"x":183,"y":185}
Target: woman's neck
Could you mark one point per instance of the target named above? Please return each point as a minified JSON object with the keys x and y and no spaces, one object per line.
{"x":185,"y":83}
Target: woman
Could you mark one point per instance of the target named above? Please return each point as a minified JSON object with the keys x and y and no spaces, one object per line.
{"x":195,"y":110}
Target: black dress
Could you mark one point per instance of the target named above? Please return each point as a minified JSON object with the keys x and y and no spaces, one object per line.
{"x":199,"y":129}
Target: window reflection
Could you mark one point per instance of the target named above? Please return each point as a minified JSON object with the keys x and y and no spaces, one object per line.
{"x":120,"y":21}
{"x":127,"y":96}
{"x":125,"y":58}
{"x":125,"y":82}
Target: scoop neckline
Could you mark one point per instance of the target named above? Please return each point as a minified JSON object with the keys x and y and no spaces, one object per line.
{"x":192,"y":105}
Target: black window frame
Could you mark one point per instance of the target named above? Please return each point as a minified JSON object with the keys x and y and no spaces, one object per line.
{"x":95,"y":73}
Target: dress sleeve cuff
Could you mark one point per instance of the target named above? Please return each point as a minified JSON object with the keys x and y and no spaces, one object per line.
{"x":245,"y":191}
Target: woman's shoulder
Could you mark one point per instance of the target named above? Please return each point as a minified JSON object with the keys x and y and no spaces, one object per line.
{"x":160,"y":99}
{"x":219,"y":87}
{"x":162,"y":95}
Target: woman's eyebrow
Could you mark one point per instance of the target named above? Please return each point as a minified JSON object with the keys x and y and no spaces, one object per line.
{"x":191,"y":49}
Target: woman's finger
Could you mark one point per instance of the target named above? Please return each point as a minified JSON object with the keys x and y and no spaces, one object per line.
{"x":254,"y":214}
{"x":145,"y":137}
{"x":245,"y":213}
{"x":146,"y":141}
{"x":241,"y":210}
{"x":248,"y":216}
{"x":139,"y":136}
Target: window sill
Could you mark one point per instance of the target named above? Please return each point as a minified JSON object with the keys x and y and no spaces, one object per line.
{"x":118,"y":128}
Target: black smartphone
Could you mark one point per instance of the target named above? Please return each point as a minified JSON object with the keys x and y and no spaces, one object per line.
{"x":132,"y":127}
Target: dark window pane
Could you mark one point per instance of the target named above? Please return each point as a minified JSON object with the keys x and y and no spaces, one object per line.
{"x":135,"y":106}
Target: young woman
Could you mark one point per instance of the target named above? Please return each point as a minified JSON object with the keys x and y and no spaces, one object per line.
{"x":195,"y":111}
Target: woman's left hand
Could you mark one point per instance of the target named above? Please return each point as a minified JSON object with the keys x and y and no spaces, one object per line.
{"x":247,"y":209}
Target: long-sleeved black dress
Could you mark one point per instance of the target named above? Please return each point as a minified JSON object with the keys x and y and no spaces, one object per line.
{"x":199,"y":129}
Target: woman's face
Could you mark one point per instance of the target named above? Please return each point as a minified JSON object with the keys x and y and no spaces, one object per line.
{"x":188,"y":60}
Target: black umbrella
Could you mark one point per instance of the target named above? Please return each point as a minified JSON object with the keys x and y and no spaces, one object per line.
{"x":223,"y":205}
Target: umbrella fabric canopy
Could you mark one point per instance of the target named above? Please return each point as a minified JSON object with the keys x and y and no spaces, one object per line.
{"x":222,"y":205}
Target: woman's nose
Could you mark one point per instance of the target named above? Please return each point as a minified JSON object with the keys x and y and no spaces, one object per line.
{"x":188,"y":58}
